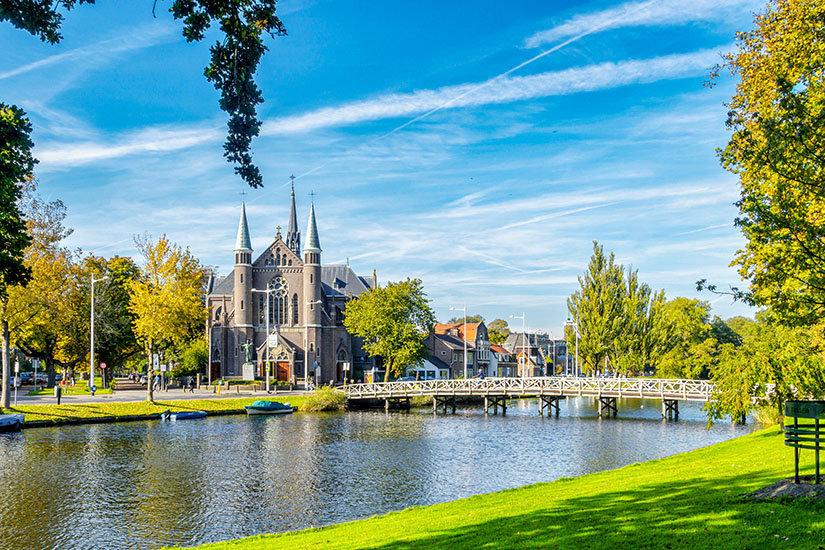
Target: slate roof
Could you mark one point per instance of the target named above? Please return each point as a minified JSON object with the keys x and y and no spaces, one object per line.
{"x":437,"y":363}
{"x":223,"y":286}
{"x":313,"y":243}
{"x":341,"y":280}
{"x":453,"y":342}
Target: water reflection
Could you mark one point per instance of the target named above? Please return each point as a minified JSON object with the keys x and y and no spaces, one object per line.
{"x":148,"y":484}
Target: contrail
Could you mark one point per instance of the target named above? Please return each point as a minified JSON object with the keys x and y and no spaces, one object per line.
{"x":484,"y":84}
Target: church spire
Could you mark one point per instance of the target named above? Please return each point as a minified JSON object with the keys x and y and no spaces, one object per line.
{"x":243,"y":242}
{"x":293,"y":236}
{"x":313,"y":243}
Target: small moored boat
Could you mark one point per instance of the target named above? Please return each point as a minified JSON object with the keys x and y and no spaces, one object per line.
{"x":183,"y":415}
{"x":11,"y":422}
{"x":268,"y":407}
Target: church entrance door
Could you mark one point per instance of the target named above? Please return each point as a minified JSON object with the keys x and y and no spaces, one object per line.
{"x":283,"y":371}
{"x":216,"y":371}
{"x":339,"y":371}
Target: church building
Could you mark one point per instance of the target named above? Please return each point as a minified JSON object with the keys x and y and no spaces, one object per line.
{"x":286,"y":307}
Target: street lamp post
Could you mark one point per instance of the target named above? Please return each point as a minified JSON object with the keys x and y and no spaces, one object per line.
{"x":575,"y":324}
{"x":306,"y":343}
{"x":268,"y":359}
{"x":92,"y":334}
{"x":523,"y":318}
{"x":464,"y":337}
{"x":552,"y":341}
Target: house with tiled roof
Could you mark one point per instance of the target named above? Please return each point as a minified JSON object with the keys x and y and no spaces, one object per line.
{"x":447,"y":345}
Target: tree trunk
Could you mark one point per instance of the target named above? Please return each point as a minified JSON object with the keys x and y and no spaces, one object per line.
{"x":6,"y":399}
{"x":387,"y":370}
{"x":49,"y":372}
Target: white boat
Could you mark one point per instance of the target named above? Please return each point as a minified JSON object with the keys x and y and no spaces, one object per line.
{"x":11,"y":422}
{"x":268,"y":407}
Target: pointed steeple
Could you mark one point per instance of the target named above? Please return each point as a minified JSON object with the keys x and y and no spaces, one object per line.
{"x":312,"y":232}
{"x":293,"y":236}
{"x":243,"y":242}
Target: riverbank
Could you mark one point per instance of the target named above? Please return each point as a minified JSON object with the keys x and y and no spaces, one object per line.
{"x":690,"y":500}
{"x":88,"y":413}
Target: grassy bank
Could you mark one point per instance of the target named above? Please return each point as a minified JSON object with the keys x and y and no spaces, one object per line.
{"x":70,"y":413}
{"x":692,"y":500}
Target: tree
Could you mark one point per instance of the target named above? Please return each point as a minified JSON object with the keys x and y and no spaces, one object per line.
{"x":640,"y":337}
{"x":777,"y":149}
{"x":598,"y":308}
{"x":470,"y":319}
{"x":393,"y":321}
{"x":192,"y":359}
{"x":166,"y":299}
{"x":16,"y":166}
{"x":771,"y":354}
{"x":690,"y":348}
{"x":45,"y":328}
{"x":498,"y":330}
{"x":234,"y":59}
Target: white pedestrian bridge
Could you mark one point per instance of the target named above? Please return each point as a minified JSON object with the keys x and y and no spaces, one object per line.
{"x":548,"y":389}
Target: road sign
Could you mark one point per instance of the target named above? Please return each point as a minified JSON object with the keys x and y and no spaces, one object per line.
{"x":94,"y":389}
{"x":16,"y":367}
{"x":155,"y":360}
{"x":103,"y":365}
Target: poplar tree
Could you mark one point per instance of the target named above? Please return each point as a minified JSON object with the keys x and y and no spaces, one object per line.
{"x":598,"y":308}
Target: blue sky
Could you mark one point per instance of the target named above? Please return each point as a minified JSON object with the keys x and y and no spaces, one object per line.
{"x":477,"y":146}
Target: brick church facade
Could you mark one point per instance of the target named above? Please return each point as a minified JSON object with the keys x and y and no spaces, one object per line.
{"x":304,"y":301}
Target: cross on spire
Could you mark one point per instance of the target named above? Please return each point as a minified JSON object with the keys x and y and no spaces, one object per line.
{"x":292,"y":179}
{"x":312,"y":194}
{"x":243,"y":195}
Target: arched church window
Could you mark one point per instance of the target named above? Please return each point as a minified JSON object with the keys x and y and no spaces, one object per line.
{"x":277,"y":256}
{"x":311,"y":347}
{"x":217,"y":313}
{"x":342,"y":355}
{"x":216,"y":354}
{"x":278,"y":301}
{"x":294,"y":309}
{"x":261,"y":310}
{"x":283,"y":262}
{"x":290,"y":262}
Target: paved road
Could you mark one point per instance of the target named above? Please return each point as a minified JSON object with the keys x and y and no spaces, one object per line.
{"x":126,"y":396}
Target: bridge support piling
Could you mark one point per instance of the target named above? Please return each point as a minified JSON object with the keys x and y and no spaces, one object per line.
{"x":607,"y":406}
{"x":494,"y":402}
{"x":670,"y":409}
{"x":551,"y":403}
{"x":447,"y":402}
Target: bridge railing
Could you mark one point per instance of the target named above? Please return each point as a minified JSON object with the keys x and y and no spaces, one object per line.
{"x":651,"y":388}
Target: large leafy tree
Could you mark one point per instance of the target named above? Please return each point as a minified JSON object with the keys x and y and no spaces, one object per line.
{"x":393,"y":320}
{"x":691,"y":349}
{"x":234,"y":58}
{"x":166,"y":299}
{"x":777,"y":149}
{"x":470,"y":319}
{"x":16,"y":166}
{"x":770,"y":353}
{"x":498,"y":330}
{"x":45,"y":330}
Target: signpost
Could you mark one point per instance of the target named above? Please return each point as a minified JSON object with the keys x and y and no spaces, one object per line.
{"x":103,"y":374}
{"x":16,"y":380}
{"x":35,"y":364}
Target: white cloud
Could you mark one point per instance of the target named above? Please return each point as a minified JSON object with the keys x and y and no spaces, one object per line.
{"x":649,"y":13}
{"x":590,"y":78}
{"x":97,"y":53}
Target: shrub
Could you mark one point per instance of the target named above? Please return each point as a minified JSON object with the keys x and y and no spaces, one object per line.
{"x":325,"y":399}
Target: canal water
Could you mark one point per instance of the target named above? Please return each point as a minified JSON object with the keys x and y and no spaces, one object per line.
{"x":148,"y":484}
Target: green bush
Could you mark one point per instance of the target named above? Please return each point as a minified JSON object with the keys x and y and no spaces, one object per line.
{"x":325,"y":399}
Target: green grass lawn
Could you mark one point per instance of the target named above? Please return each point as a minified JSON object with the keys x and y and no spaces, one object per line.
{"x":692,"y":500}
{"x":80,"y":411}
